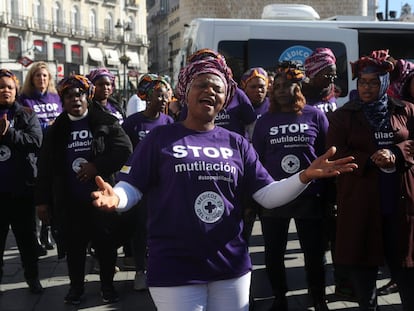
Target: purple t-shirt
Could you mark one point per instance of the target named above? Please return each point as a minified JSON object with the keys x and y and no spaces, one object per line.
{"x":137,"y":125}
{"x":47,"y":106}
{"x":262,"y":108}
{"x":325,"y":106}
{"x":113,"y":111}
{"x":79,"y":151}
{"x":194,"y":182}
{"x":238,"y":113}
{"x":287,"y":142}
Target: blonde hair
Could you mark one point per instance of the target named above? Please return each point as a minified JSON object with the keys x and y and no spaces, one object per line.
{"x":28,"y":87}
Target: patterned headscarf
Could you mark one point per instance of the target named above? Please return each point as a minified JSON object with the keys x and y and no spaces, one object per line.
{"x":205,"y":66}
{"x":253,"y":73}
{"x":204,"y":54}
{"x":149,"y":83}
{"x":405,"y":71}
{"x":377,"y":62}
{"x":98,"y":73}
{"x":7,"y":73}
{"x":293,"y":71}
{"x":319,"y":60}
{"x":76,"y":81}
{"x":376,"y":112}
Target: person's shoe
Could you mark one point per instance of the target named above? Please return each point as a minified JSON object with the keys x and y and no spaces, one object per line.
{"x":74,"y":296}
{"x":109,"y":295}
{"x":40,"y":250}
{"x":389,"y":288}
{"x":34,"y":286}
{"x":345,"y":291}
{"x":129,"y":263}
{"x":140,"y":281}
{"x":46,"y":237}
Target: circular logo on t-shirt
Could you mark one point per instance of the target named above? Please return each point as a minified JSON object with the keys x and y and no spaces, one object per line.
{"x":76,"y":164}
{"x":209,"y":207}
{"x":290,"y":163}
{"x":5,"y":153}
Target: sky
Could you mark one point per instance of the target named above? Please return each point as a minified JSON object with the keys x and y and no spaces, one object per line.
{"x":394,"y":5}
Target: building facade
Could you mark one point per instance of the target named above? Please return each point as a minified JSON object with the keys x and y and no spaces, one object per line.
{"x":168,"y":19}
{"x":75,"y":36}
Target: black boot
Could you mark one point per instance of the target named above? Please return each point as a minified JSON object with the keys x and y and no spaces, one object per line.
{"x":46,"y":237}
{"x":40,"y":249}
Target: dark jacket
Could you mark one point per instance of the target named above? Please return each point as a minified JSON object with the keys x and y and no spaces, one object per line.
{"x":111,"y":148}
{"x":359,"y":224}
{"x":24,"y":138}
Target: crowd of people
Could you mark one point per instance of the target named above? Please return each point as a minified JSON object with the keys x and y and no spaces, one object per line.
{"x":97,"y":175}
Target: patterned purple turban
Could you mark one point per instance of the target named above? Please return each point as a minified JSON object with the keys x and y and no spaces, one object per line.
{"x":405,"y":71}
{"x":76,"y":81}
{"x":253,"y":73}
{"x":319,"y":60}
{"x":204,"y":54}
{"x":377,"y":62}
{"x":149,"y":83}
{"x":205,"y":66}
{"x":7,"y":73}
{"x":98,"y":73}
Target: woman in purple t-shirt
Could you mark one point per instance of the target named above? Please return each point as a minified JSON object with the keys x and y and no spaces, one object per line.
{"x":194,"y":175}
{"x":104,"y":82}
{"x":287,"y":140}
{"x":39,"y":94}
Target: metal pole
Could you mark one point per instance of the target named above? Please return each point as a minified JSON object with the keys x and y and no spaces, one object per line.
{"x":386,"y":10}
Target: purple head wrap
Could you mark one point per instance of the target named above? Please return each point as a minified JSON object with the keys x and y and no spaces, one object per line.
{"x":205,"y":66}
{"x":98,"y":73}
{"x":76,"y":81}
{"x":319,"y":60}
{"x":253,"y":73}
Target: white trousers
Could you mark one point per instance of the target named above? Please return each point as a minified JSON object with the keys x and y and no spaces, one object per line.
{"x":224,"y":295}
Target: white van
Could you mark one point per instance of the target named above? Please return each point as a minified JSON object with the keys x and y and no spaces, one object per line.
{"x":251,"y":43}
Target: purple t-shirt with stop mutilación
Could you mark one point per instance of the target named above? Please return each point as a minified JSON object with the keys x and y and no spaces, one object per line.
{"x":194,"y":182}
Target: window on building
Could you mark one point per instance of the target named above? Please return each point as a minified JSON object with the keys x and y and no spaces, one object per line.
{"x":109,"y":26}
{"x":57,"y":15}
{"x":15,"y":47}
{"x":74,"y":17}
{"x":14,"y":8}
{"x":40,"y":50}
{"x":59,"y":52}
{"x":92,"y":23}
{"x":77,"y":54}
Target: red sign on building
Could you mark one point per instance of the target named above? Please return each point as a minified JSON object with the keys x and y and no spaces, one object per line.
{"x":25,"y":61}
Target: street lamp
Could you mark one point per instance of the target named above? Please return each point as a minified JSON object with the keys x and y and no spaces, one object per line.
{"x":124,"y":59}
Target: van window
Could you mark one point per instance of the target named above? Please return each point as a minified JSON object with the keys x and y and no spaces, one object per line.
{"x":242,"y":55}
{"x":398,"y":42}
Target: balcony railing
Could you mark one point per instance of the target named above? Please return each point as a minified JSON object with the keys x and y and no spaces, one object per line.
{"x":68,"y":30}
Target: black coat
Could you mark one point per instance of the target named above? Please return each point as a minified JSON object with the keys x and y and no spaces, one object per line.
{"x":24,"y":138}
{"x":111,"y":148}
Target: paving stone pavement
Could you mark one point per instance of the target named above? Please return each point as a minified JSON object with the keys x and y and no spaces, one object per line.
{"x":15,"y":296}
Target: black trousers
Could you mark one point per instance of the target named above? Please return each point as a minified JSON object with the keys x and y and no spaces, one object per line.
{"x":95,"y":227}
{"x":311,"y":237}
{"x":18,"y":213}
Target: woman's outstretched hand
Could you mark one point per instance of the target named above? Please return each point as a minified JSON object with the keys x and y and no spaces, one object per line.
{"x":321,"y":167}
{"x":105,"y":197}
